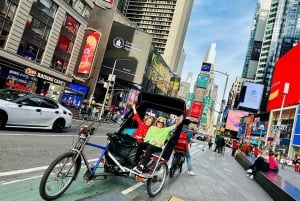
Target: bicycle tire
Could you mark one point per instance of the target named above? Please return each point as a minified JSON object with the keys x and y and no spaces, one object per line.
{"x":53,"y":176}
{"x":159,"y":178}
{"x":173,"y":166}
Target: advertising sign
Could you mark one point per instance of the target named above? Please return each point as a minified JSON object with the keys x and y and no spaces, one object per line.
{"x":233,"y":119}
{"x":205,"y":67}
{"x":88,"y":54}
{"x":130,"y":47}
{"x":251,"y":95}
{"x":199,"y":94}
{"x":285,"y":72}
{"x":104,"y":3}
{"x":196,"y":109}
{"x":202,"y":80}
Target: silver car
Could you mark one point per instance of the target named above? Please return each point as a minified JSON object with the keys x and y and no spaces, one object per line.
{"x":27,"y":110}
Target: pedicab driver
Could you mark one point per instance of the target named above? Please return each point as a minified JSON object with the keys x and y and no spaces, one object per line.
{"x":153,"y":142}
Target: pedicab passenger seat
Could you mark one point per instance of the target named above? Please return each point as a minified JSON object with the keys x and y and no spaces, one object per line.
{"x":122,"y":146}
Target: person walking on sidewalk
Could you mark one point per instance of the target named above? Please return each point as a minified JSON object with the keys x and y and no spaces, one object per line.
{"x":235,"y":146}
{"x":210,"y":143}
{"x":188,"y":127}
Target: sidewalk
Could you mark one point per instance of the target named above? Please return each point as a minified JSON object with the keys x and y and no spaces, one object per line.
{"x":218,"y":178}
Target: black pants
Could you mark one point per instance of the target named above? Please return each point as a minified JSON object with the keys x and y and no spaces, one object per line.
{"x":233,"y":152}
{"x":150,"y":149}
{"x":259,"y":164}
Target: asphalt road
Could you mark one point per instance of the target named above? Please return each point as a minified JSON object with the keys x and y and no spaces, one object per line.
{"x":29,"y":150}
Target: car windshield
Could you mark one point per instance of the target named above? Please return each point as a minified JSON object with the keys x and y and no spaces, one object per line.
{"x":11,"y":95}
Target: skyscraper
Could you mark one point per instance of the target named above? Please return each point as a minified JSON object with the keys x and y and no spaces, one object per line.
{"x":256,"y":38}
{"x":167,"y":20}
{"x":280,"y":33}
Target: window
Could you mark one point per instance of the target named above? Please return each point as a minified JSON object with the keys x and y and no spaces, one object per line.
{"x":7,"y":10}
{"x":47,"y":103}
{"x":34,"y":102}
{"x":47,"y":6}
{"x":71,"y":24}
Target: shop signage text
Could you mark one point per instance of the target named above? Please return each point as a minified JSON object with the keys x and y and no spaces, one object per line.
{"x":281,"y":127}
{"x":51,"y":79}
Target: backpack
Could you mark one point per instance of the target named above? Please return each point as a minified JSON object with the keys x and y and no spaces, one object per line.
{"x":182,"y":143}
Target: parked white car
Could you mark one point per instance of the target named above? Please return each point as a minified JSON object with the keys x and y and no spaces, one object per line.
{"x":23,"y":109}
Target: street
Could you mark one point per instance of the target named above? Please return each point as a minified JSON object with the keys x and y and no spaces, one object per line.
{"x":27,"y":152}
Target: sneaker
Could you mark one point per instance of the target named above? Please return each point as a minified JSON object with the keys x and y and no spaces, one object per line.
{"x":249,"y":171}
{"x":191,"y":173}
{"x":251,"y":177}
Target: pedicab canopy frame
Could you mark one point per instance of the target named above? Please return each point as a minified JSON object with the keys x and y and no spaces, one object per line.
{"x":162,"y":103}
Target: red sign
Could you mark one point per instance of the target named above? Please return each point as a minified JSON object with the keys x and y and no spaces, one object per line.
{"x":196,"y":109}
{"x":88,"y":54}
{"x":285,"y":72}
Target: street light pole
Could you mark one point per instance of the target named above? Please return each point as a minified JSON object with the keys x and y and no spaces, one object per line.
{"x":111,"y":78}
{"x":278,"y":125}
{"x":223,"y":100}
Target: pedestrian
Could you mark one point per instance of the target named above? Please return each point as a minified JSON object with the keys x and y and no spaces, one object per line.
{"x":255,"y":151}
{"x":154,"y":141}
{"x":249,"y":150}
{"x":143,"y":126}
{"x":296,"y":163}
{"x":222,"y":146}
{"x":273,"y":164}
{"x":218,"y":144}
{"x":260,"y":163}
{"x":210,"y":143}
{"x":189,"y":134}
{"x":234,"y":147}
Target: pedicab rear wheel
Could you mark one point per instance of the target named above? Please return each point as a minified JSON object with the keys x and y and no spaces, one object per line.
{"x":156,"y":183}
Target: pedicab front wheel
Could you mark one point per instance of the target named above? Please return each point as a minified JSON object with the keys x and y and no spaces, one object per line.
{"x":156,"y":183}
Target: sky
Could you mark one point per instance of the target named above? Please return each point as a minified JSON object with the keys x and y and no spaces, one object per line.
{"x":227,"y":23}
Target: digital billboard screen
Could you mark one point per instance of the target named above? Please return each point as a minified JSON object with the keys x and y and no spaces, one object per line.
{"x":285,"y":72}
{"x":251,"y":95}
{"x":233,"y":119}
{"x":202,"y":80}
{"x":196,"y":109}
{"x":127,"y":51}
{"x":205,"y":67}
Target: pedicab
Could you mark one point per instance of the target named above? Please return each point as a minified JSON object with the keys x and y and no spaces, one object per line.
{"x":117,"y":156}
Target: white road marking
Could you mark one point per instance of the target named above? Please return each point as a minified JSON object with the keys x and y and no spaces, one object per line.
{"x":132,"y":188}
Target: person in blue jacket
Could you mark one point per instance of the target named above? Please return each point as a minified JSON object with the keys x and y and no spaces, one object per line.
{"x":188,"y":127}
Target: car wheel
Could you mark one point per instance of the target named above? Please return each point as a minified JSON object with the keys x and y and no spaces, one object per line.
{"x":3,"y":119}
{"x":58,"y":125}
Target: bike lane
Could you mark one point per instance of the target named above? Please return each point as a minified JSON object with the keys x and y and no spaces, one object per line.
{"x":28,"y":189}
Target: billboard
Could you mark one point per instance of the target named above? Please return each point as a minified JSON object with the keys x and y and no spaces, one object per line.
{"x":130,"y":47}
{"x":285,"y":72}
{"x":205,"y":67}
{"x":196,"y":109}
{"x":88,"y":53}
{"x":233,"y":119}
{"x":251,"y":95}
{"x":199,"y":94}
{"x":256,"y":50}
{"x":202,"y":80}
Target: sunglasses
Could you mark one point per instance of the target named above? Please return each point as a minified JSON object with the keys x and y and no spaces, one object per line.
{"x":160,"y":122}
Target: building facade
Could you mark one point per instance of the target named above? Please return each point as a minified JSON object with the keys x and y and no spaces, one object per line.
{"x":166,"y":20}
{"x":40,"y":42}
